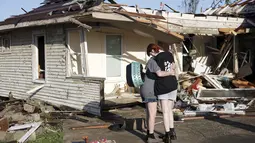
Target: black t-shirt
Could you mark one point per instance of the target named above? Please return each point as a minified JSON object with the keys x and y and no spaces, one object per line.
{"x":167,"y":84}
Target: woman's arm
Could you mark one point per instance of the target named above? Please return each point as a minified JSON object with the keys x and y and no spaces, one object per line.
{"x":167,"y":73}
{"x":153,"y":67}
{"x":164,"y":73}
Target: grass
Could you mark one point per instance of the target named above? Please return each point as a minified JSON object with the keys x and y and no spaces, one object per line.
{"x":46,"y":137}
{"x":50,"y":134}
{"x":49,"y":137}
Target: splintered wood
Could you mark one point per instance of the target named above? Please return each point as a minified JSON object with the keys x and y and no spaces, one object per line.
{"x":4,"y":124}
{"x":243,"y":84}
{"x":225,"y":50}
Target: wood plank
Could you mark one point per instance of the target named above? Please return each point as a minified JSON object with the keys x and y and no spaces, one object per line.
{"x":229,"y":30}
{"x":235,"y":57}
{"x":224,"y":56}
{"x":30,"y":132}
{"x":41,"y":22}
{"x":116,"y":5}
{"x":169,"y":32}
{"x":251,"y":22}
{"x":213,"y":82}
{"x":140,"y":15}
{"x":73,"y":20}
{"x":33,"y":90}
{"x":213,"y":48}
{"x":111,"y":16}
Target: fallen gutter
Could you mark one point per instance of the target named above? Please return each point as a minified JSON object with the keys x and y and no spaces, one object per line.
{"x":35,"y":89}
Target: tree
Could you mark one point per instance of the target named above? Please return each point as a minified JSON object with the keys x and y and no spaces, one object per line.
{"x":190,"y":5}
{"x":217,"y":3}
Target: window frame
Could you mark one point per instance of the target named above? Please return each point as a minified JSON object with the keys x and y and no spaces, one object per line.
{"x":2,"y":37}
{"x":121,"y":53}
{"x":84,"y":55}
{"x":35,"y":56}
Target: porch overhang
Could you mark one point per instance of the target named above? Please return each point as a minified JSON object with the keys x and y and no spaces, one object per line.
{"x":155,"y":31}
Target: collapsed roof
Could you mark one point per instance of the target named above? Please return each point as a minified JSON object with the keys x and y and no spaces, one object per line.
{"x":240,"y":8}
{"x":53,"y":9}
{"x":68,"y":11}
{"x":152,"y":23}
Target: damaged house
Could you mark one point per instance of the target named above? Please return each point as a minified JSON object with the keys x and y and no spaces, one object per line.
{"x":219,"y":51}
{"x":71,"y":53}
{"x":75,"y":52}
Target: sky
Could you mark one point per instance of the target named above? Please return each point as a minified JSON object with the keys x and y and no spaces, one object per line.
{"x":13,"y":7}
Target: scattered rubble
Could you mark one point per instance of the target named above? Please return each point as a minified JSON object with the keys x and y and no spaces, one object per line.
{"x":220,"y":90}
{"x":4,"y":124}
{"x":29,"y":108}
{"x":23,"y":120}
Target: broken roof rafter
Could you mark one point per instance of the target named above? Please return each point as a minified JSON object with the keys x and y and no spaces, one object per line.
{"x":75,"y":21}
{"x":56,"y":20}
{"x":76,"y":1}
{"x":239,"y":8}
{"x":150,"y":20}
{"x":55,"y":8}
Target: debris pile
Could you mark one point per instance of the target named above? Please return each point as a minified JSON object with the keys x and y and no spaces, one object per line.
{"x":206,"y":93}
{"x":23,"y":121}
{"x":34,"y":120}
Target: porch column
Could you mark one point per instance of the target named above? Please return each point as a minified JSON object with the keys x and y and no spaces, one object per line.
{"x":235,"y":57}
{"x":178,"y":57}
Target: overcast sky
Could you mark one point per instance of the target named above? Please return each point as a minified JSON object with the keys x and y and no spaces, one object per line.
{"x":13,"y":7}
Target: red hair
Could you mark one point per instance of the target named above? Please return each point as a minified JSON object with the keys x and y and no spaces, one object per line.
{"x":151,"y":47}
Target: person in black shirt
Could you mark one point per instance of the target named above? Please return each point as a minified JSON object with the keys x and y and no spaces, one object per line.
{"x":166,"y":90}
{"x":147,"y":91}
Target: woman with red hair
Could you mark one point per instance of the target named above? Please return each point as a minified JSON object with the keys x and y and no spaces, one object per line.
{"x":153,"y":82}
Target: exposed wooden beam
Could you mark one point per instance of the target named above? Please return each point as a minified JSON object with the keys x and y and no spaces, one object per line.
{"x":116,"y":5}
{"x":140,"y":15}
{"x":111,"y":16}
{"x":251,"y":22}
{"x":162,"y":27}
{"x":169,"y":32}
{"x":235,"y":3}
{"x":235,"y":57}
{"x":231,"y":30}
{"x":73,"y":20}
{"x":244,"y":3}
{"x":24,"y":10}
{"x":41,"y":22}
{"x":172,"y":8}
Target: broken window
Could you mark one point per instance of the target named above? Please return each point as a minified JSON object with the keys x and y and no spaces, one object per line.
{"x":39,"y":58}
{"x":5,"y":43}
{"x":75,"y":57}
{"x":113,"y":55}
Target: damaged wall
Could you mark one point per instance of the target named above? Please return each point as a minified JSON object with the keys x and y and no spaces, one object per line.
{"x":16,"y":72}
{"x":200,"y":53}
{"x":246,"y":52}
{"x":200,"y":44}
{"x":133,"y":49}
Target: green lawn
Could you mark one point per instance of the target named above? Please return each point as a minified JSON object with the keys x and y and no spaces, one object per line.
{"x":49,"y":137}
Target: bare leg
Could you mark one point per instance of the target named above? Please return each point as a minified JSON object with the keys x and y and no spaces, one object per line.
{"x":151,"y":115}
{"x":166,"y":115}
{"x":171,"y":116}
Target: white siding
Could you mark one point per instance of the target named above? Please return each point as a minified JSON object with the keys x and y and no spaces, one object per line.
{"x":16,"y":72}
